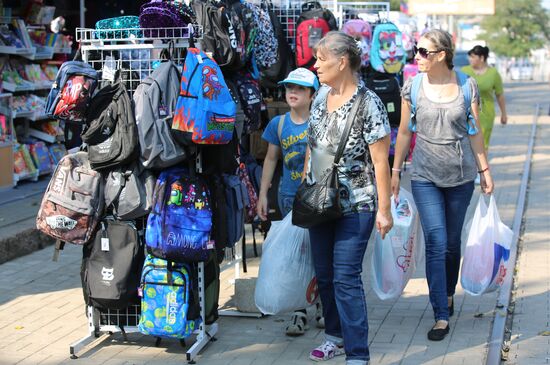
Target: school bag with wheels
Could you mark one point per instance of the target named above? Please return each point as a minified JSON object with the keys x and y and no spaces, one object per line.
{"x":387,"y":52}
{"x":205,"y":110}
{"x":386,"y":86}
{"x":111,"y":266}
{"x":314,"y":22}
{"x":73,"y":201}
{"x":166,"y":292}
{"x":361,"y":30}
{"x":179,"y":225}
{"x":155,"y":105}
{"x":112,"y":136}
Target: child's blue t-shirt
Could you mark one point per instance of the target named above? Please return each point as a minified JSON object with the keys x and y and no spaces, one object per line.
{"x":293,"y":145}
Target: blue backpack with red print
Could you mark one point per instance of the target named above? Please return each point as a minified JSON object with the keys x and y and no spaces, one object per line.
{"x":179,"y":225}
{"x":205,"y":110}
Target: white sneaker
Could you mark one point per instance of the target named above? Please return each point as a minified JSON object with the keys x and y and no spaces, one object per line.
{"x":326,"y":351}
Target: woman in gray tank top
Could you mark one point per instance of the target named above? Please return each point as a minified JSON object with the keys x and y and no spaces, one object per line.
{"x":448,"y":155}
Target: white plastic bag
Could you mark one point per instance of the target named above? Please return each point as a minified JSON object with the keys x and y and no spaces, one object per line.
{"x":395,"y":257}
{"x":286,"y":281}
{"x":487,"y":256}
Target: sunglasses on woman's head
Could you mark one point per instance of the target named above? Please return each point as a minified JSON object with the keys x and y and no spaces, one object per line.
{"x":423,"y":52}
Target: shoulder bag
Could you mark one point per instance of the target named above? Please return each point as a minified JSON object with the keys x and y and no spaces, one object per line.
{"x":320,"y":202}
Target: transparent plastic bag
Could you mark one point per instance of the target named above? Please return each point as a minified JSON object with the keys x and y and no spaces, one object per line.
{"x":395,"y":257}
{"x":487,"y":255}
{"x":286,"y":281}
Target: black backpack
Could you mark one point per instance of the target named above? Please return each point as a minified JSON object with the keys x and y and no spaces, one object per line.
{"x":111,"y":266}
{"x":286,"y":60}
{"x":386,"y":86}
{"x":112,"y":137}
{"x":216,"y":38}
{"x":250,"y":98}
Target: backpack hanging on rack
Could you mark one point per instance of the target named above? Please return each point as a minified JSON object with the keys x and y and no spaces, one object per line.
{"x":286,"y":60}
{"x":361,"y":30}
{"x":236,"y":202}
{"x":387,"y":52}
{"x":155,"y":105}
{"x":218,"y":35}
{"x":251,"y":100}
{"x":129,"y":191}
{"x":264,"y":46}
{"x":205,"y":110}
{"x":166,"y":291}
{"x":112,"y":136}
{"x":111,"y":266}
{"x":73,"y":202}
{"x":72,"y":91}
{"x":314,"y":22}
{"x":179,"y":225}
{"x":386,"y":86}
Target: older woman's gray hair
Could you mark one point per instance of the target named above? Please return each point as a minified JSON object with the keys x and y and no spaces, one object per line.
{"x":341,"y":44}
{"x":442,"y":41}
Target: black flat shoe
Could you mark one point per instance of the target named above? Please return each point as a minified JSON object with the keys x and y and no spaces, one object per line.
{"x":438,"y":334}
{"x":452,"y":307}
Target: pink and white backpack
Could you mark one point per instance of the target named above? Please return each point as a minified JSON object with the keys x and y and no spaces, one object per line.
{"x":361,"y":30}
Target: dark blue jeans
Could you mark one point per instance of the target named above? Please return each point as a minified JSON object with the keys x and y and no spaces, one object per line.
{"x":338,"y":248}
{"x":442,"y":212}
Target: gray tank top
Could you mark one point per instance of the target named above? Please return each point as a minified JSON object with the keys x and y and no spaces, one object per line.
{"x":442,"y":154}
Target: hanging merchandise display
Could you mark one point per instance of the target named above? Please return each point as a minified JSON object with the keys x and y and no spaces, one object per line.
{"x":387,"y":52}
{"x":361,"y":30}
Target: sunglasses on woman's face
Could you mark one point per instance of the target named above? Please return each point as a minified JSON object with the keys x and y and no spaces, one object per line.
{"x":423,"y":52}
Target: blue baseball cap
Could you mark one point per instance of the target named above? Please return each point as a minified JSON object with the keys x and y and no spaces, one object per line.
{"x":303,"y":77}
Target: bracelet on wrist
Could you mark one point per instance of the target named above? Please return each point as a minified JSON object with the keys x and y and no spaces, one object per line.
{"x":482,"y":171}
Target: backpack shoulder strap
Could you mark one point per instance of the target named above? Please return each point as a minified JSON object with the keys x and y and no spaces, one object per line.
{"x":462,"y":79}
{"x":280,"y":127}
{"x":415,"y":88}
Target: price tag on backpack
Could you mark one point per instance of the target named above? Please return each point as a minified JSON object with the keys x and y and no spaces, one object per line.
{"x":109,"y":69}
{"x":390,"y":107}
{"x":314,"y":36}
{"x":104,"y":244}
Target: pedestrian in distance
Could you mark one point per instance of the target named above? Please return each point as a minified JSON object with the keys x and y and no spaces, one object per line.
{"x":489,"y":84}
{"x":287,"y":138}
{"x":448,"y":155}
{"x":338,"y":247}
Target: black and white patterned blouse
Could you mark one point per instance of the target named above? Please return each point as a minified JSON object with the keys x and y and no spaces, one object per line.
{"x":356,"y":170}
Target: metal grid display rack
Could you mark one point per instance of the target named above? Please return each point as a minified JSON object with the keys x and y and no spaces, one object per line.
{"x":134,"y":53}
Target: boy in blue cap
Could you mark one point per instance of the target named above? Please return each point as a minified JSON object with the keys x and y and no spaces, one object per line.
{"x":287,"y":137}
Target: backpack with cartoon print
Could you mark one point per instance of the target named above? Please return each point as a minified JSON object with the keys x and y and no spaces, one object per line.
{"x":265,"y":41}
{"x":387,"y":52}
{"x":361,"y":30}
{"x":180,"y":222}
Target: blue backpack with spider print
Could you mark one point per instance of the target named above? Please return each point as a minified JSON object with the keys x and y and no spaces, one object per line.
{"x":462,"y":79}
{"x":179,"y":225}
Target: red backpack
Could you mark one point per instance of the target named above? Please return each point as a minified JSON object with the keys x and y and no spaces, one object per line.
{"x":311,"y":26}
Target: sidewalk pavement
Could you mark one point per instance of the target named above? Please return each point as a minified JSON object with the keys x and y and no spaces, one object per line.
{"x":42,"y":309}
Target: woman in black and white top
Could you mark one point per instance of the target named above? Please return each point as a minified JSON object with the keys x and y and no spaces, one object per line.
{"x":339,"y":246}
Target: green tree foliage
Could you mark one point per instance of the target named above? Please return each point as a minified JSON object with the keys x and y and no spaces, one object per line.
{"x":394,"y":4}
{"x":517,"y":28}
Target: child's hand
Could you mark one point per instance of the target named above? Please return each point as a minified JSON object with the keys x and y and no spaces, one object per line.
{"x":262,"y":208}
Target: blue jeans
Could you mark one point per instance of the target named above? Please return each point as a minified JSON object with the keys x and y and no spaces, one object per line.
{"x":285,"y":203}
{"x":338,"y":249}
{"x":442,"y":212}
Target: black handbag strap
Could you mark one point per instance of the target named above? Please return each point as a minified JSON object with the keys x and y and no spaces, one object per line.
{"x":351,"y":117}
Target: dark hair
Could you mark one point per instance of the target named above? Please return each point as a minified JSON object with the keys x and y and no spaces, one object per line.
{"x":480,"y":51}
{"x":340,"y":44}
{"x":443,"y":41}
